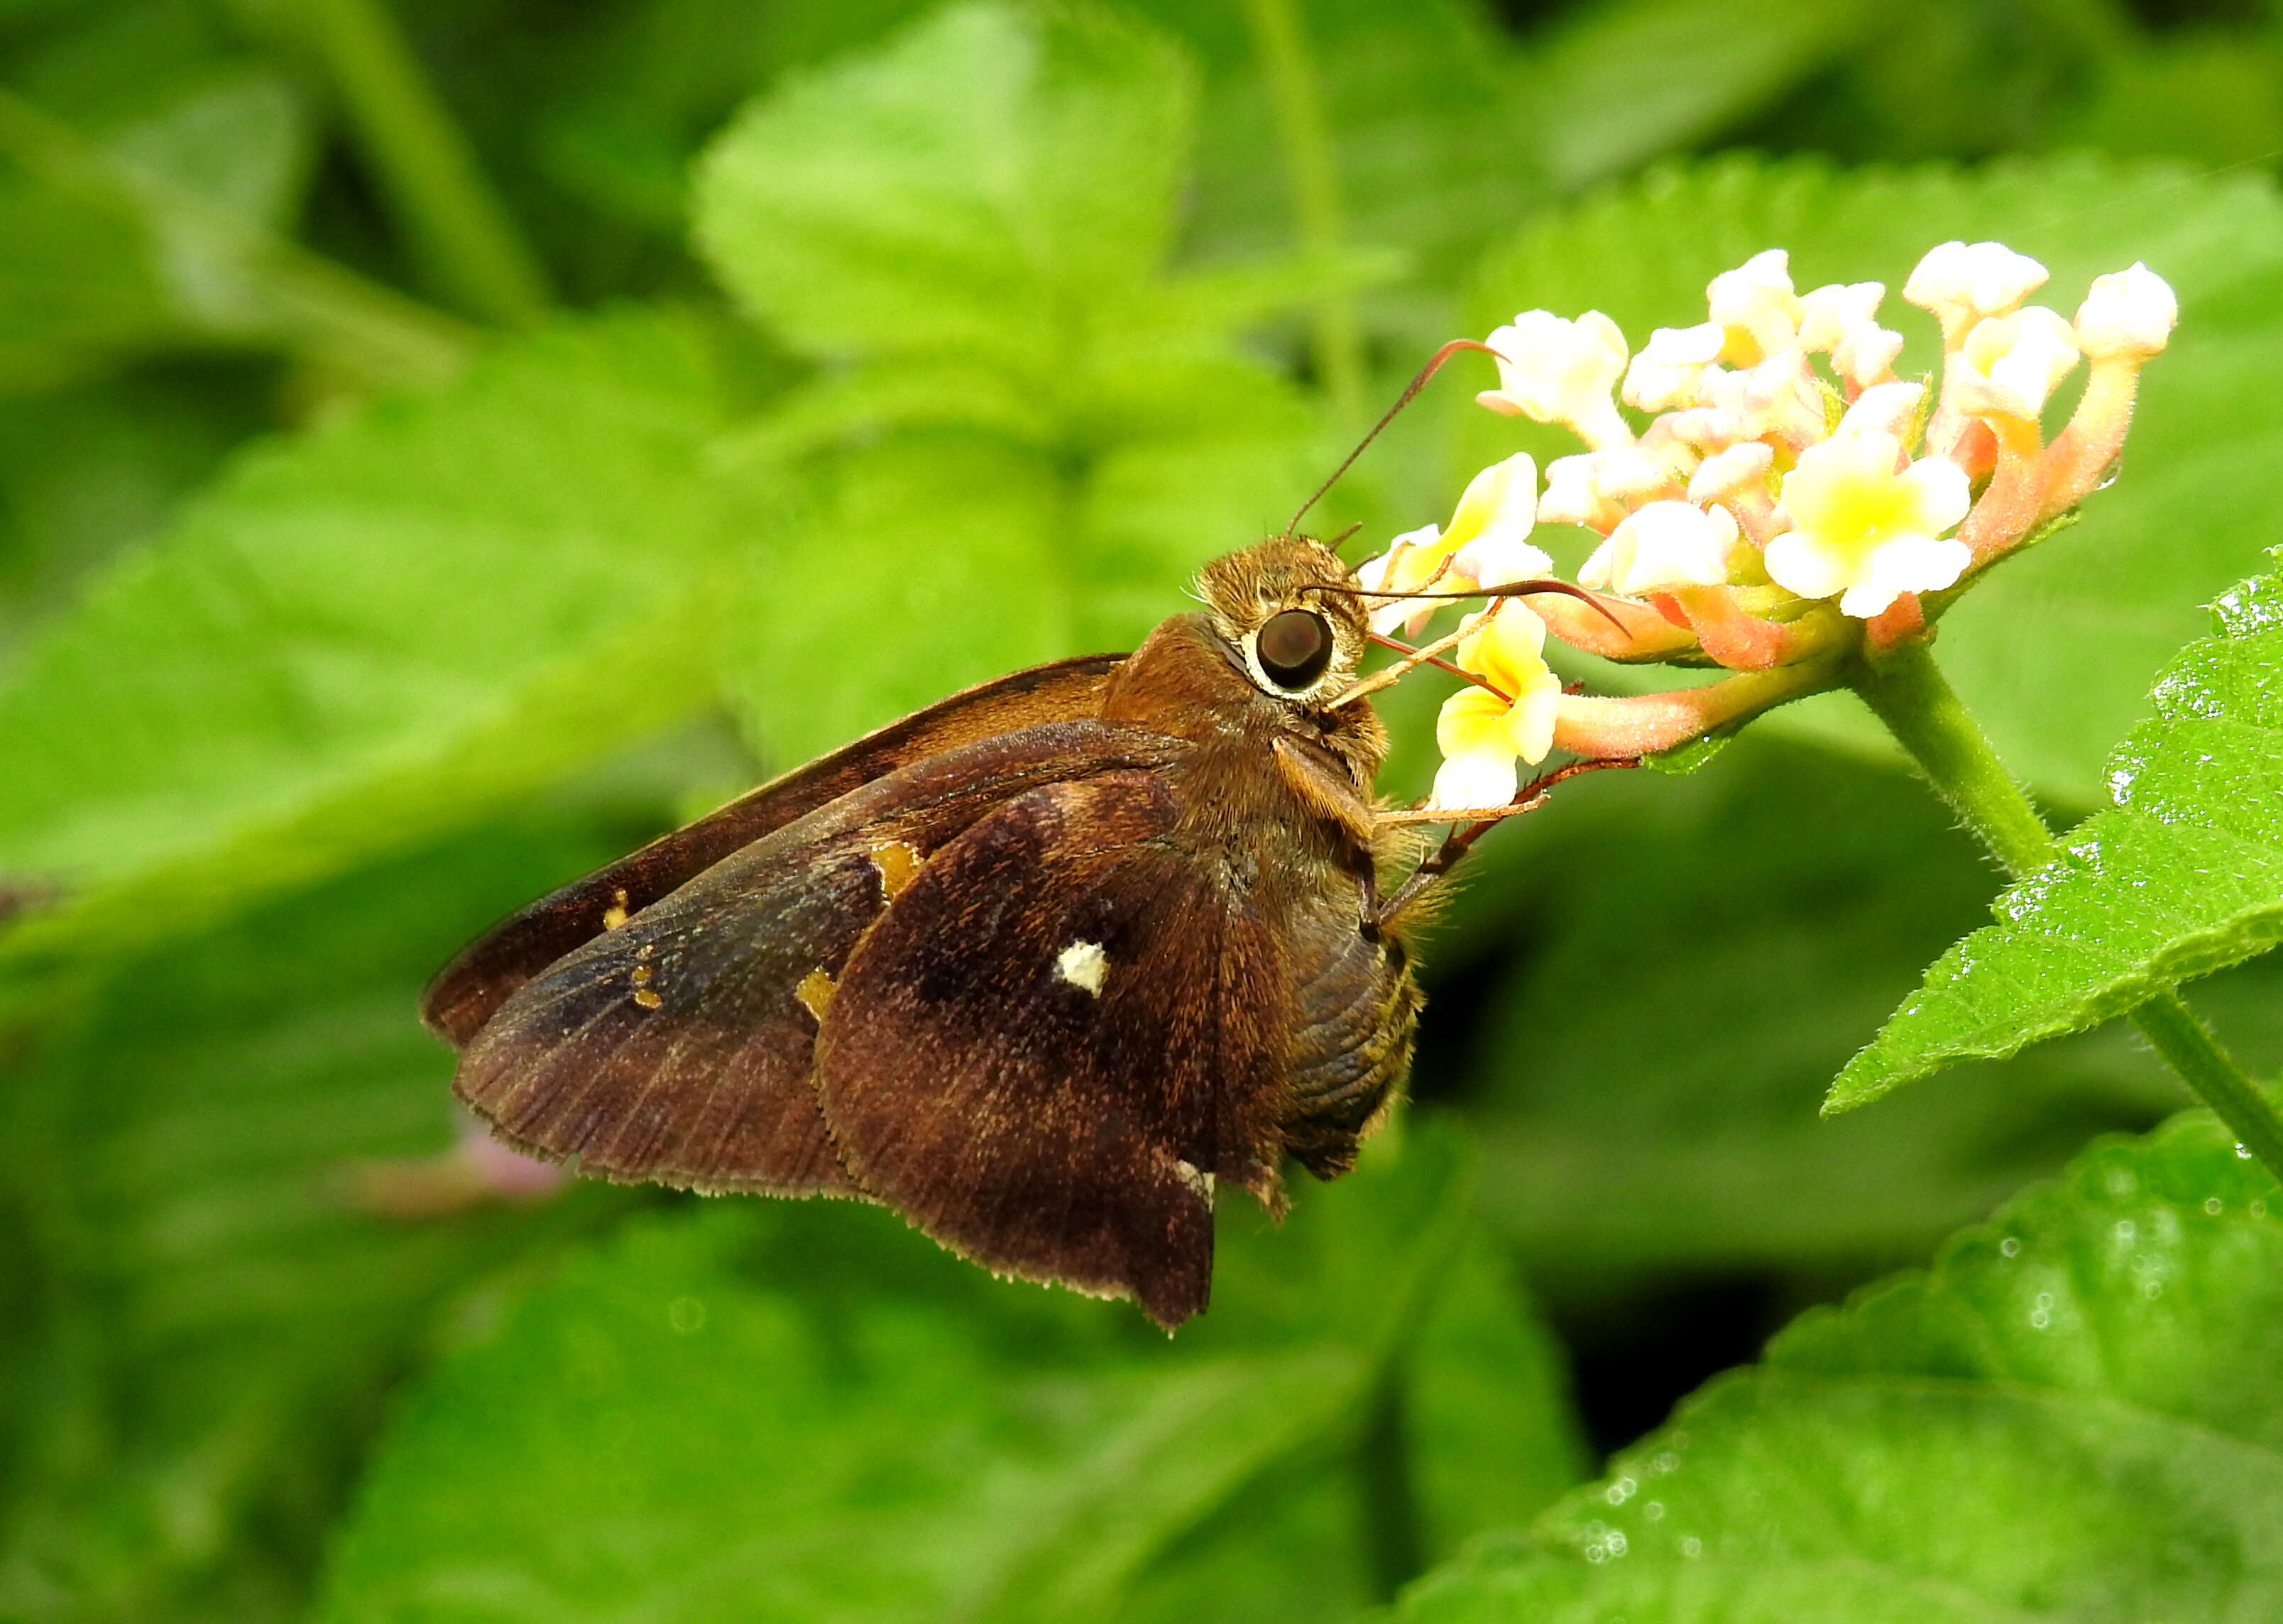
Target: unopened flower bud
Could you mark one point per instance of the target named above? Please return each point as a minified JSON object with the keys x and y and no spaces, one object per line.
{"x":1841,"y":320}
{"x":2127,"y":313}
{"x":1962,"y":283}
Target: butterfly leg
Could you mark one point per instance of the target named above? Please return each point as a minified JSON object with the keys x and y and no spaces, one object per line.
{"x":1470,"y":824}
{"x":1367,"y":876}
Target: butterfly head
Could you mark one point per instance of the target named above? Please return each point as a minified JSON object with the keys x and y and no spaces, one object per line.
{"x":1295,"y":640}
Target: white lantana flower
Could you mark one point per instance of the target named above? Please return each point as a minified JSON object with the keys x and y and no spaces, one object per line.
{"x":1395,"y":570}
{"x":1777,"y":398}
{"x":1487,"y":544}
{"x":1755,"y":308}
{"x":2128,"y":312}
{"x":1574,"y":495}
{"x":1827,"y":314}
{"x":1963,"y":283}
{"x":1598,"y":489}
{"x":1663,"y":546}
{"x":1698,"y":505}
{"x":1555,"y":371}
{"x":1490,"y":529}
{"x":1867,"y":529}
{"x":2010,"y":363}
{"x":1841,"y":320}
{"x":1482,"y":736}
{"x":1725,"y":472}
{"x":1888,"y":407}
{"x":1672,"y":365}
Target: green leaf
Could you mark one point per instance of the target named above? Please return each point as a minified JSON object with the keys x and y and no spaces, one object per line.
{"x":1026,"y":432}
{"x":366,"y":634}
{"x":209,"y":1319}
{"x":156,"y":239}
{"x":1672,"y":972}
{"x":1450,"y":131}
{"x":2206,"y":96}
{"x":802,"y":1407}
{"x":2182,"y":876}
{"x":142,"y":193}
{"x":1620,"y":83}
{"x":2055,"y":652}
{"x":2074,"y":1414}
{"x":986,"y":185}
{"x":92,"y":469}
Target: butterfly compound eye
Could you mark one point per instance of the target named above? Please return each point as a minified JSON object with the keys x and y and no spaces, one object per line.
{"x":1295,"y":647}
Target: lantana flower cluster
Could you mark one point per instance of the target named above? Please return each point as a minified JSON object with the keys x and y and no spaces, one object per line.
{"x":1791,"y":505}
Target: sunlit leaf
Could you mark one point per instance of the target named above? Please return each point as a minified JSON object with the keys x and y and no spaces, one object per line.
{"x":986,"y":183}
{"x":364,"y":634}
{"x":2074,"y":1414}
{"x":2181,"y":876}
{"x":1028,"y":433}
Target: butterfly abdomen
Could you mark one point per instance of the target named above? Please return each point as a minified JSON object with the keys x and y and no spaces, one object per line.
{"x":1357,"y":1007}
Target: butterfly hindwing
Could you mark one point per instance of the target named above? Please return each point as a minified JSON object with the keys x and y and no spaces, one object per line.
{"x":678,"y":1045}
{"x":1038,"y":1054}
{"x":474,"y":985}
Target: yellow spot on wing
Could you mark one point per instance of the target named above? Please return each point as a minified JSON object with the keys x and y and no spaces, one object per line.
{"x":814,"y":993}
{"x":647,"y":998}
{"x":896,"y":861}
{"x":615,"y":915}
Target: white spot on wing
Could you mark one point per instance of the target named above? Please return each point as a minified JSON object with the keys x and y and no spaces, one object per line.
{"x":1201,"y":1182}
{"x":1084,"y":964}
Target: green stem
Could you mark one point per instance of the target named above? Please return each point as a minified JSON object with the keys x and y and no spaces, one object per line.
{"x":2172,"y":1029}
{"x":1907,"y":691}
{"x":1311,"y":171}
{"x":425,"y":164}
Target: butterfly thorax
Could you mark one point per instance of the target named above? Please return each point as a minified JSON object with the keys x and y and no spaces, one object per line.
{"x":1272,"y":749}
{"x":1259,"y":762}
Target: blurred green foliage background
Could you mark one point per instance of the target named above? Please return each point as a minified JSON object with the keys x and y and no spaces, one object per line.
{"x":442,"y":445}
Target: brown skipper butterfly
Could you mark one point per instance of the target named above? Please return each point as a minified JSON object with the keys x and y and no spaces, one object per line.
{"x":1042,"y":967}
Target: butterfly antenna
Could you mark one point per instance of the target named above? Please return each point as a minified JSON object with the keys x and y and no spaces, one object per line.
{"x":1434,"y":365}
{"x":1507,"y":589}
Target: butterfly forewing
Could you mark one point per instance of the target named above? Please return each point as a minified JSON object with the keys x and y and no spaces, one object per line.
{"x":1037,"y":1054}
{"x":678,"y":1045}
{"x":474,"y":985}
